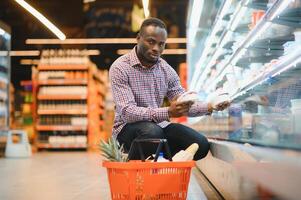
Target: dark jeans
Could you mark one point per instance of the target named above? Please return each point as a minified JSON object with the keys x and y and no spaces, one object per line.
{"x":179,"y":137}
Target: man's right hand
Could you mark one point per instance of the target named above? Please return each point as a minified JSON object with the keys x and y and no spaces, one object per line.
{"x":179,"y":109}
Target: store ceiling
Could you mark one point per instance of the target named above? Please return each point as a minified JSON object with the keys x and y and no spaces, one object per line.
{"x":101,"y":18}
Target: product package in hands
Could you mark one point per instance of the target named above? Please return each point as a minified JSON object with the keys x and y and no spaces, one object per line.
{"x":218,"y":98}
{"x":188,"y":96}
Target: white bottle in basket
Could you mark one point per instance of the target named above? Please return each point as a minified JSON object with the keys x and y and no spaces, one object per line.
{"x":161,"y":158}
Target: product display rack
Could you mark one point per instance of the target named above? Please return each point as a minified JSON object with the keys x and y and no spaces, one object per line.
{"x":251,"y":54}
{"x":64,"y":101}
{"x":250,"y":62}
{"x":98,"y":82}
{"x":27,"y":109}
{"x":5,"y":67}
{"x":5,"y":39}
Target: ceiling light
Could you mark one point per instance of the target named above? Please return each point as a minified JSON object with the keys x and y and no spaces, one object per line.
{"x":97,"y":41}
{"x":2,"y":31}
{"x":42,"y":19}
{"x":20,"y":53}
{"x":88,"y":1}
{"x":145,"y":4}
{"x":90,"y":52}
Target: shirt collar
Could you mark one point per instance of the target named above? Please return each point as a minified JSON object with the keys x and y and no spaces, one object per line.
{"x":134,"y":60}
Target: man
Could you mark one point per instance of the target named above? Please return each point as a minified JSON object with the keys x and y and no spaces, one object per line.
{"x":140,"y":80}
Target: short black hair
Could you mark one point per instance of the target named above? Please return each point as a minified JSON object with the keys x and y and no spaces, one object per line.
{"x":152,"y":22}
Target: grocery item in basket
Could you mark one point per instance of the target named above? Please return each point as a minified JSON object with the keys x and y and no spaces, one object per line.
{"x":186,"y":155}
{"x":188,"y":96}
{"x":192,"y":148}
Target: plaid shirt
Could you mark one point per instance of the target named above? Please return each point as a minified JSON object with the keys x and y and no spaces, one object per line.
{"x":139,"y":92}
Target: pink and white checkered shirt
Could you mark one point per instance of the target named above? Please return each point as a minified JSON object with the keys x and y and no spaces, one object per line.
{"x":139,"y":92}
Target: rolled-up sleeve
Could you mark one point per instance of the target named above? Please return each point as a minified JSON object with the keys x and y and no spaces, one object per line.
{"x":125,"y":101}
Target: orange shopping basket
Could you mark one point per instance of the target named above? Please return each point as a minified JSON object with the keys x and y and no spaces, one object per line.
{"x":136,"y":180}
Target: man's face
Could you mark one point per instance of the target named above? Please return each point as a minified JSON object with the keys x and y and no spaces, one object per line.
{"x":151,"y":43}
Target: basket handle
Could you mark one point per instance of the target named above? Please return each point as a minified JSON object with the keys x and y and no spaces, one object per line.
{"x":161,"y":143}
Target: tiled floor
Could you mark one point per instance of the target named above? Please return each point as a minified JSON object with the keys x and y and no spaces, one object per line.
{"x":61,"y":176}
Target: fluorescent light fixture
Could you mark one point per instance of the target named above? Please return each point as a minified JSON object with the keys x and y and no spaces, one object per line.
{"x":97,"y":41}
{"x":29,"y":61}
{"x":90,"y":52}
{"x":25,"y":53}
{"x":42,"y":19}
{"x":197,"y":9}
{"x":88,"y":1}
{"x":2,"y":32}
{"x":165,"y":52}
{"x":145,"y":4}
{"x":20,"y":53}
{"x":281,"y":7}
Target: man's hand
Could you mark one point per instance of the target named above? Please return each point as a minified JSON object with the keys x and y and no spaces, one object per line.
{"x":222,"y":106}
{"x":179,"y":109}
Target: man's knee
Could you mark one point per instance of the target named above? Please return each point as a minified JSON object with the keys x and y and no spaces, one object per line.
{"x":151,"y":130}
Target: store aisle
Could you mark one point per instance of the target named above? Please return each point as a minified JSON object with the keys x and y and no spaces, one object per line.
{"x":61,"y":176}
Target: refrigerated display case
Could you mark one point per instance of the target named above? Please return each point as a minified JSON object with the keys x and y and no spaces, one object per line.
{"x":5,"y":39}
{"x":252,"y":53}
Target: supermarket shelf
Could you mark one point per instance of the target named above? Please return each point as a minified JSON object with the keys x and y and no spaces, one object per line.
{"x":202,"y":72}
{"x":61,"y":97}
{"x":63,"y":67}
{"x":252,"y":36}
{"x":61,"y":146}
{"x":60,"y":128}
{"x":61,"y":112}
{"x":282,"y":65}
{"x":63,"y":82}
